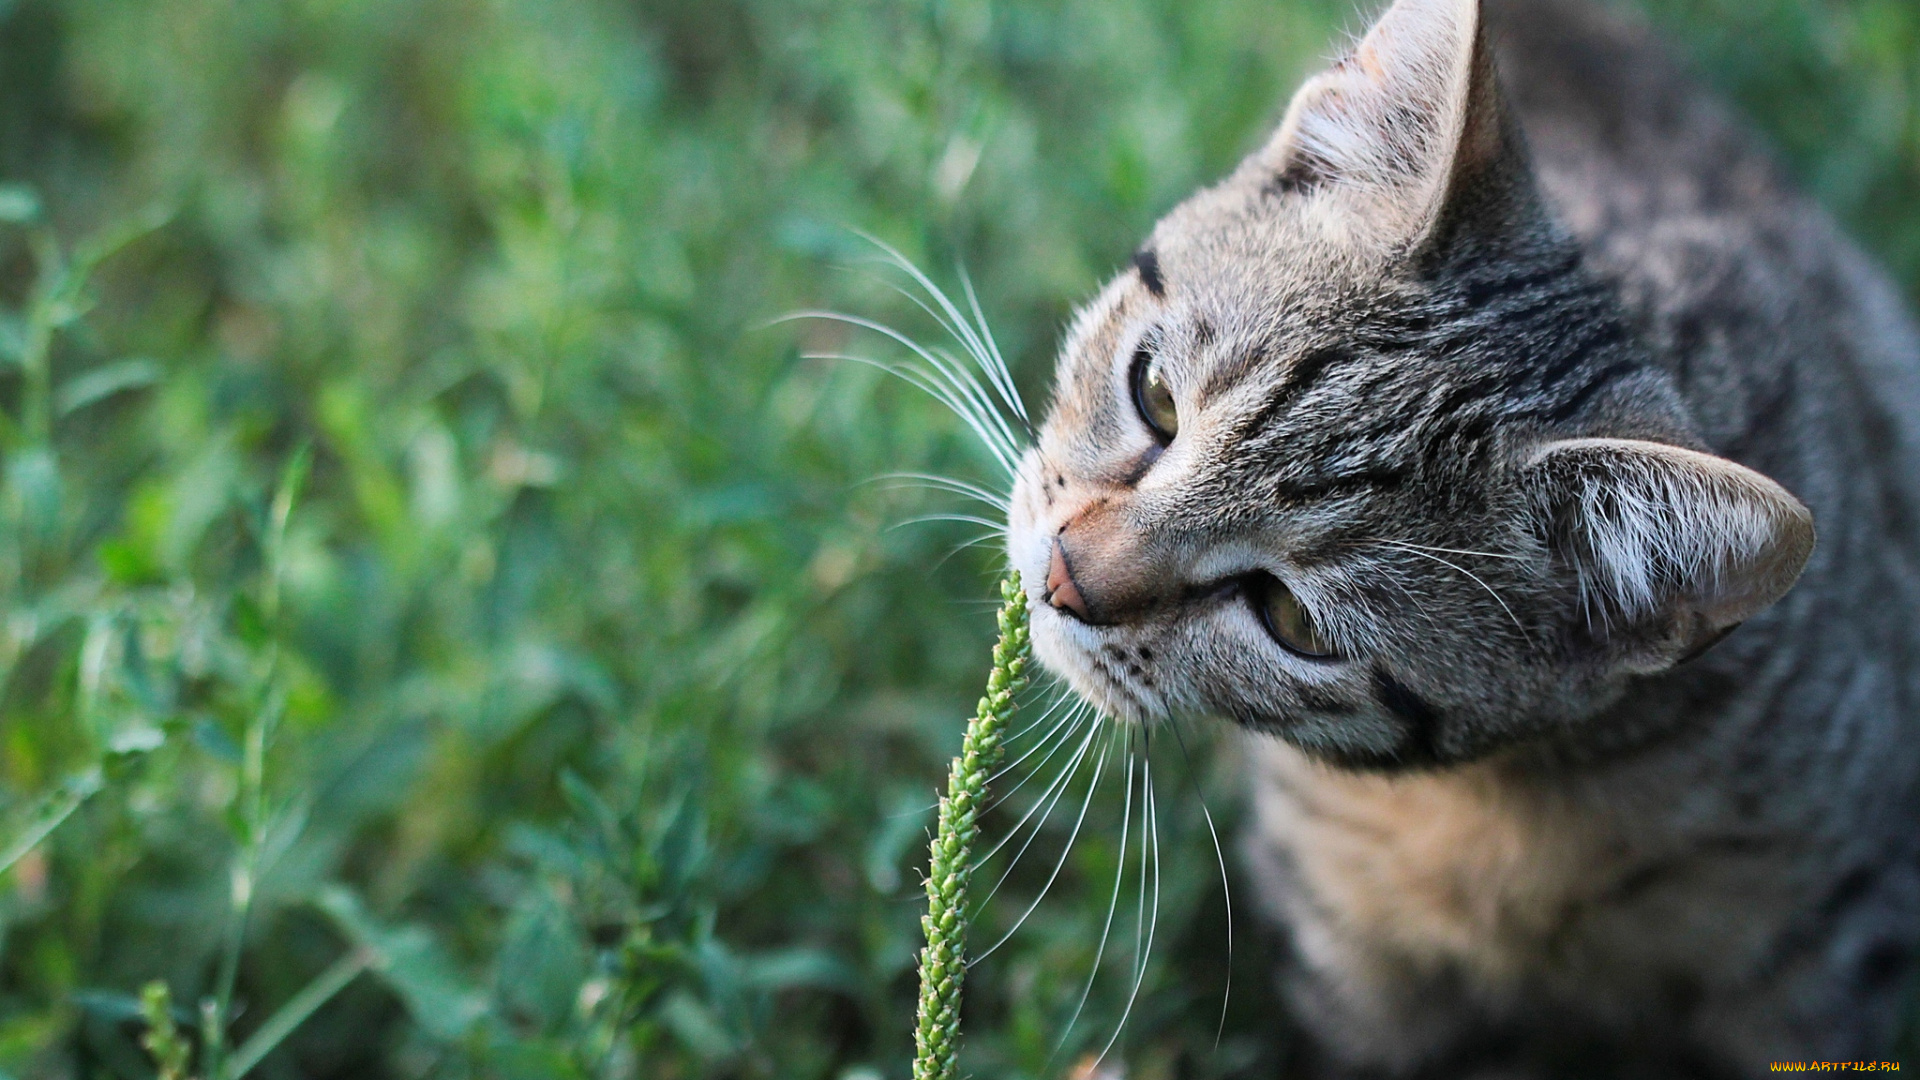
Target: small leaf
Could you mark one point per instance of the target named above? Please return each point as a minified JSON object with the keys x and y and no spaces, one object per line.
{"x":109,"y":1005}
{"x":18,"y":204}
{"x":409,"y":961}
{"x":697,"y":1027}
{"x":211,"y":737}
{"x":13,"y":338}
{"x":542,"y":962}
{"x":787,"y":969}
{"x":288,"y":1018}
{"x":103,"y":382}
{"x":137,"y":738}
{"x":34,"y":478}
{"x":53,"y":809}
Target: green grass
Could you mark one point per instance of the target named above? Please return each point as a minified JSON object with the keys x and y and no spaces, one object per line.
{"x":439,"y":608}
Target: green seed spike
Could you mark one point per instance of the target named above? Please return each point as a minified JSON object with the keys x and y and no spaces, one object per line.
{"x":936,"y":1040}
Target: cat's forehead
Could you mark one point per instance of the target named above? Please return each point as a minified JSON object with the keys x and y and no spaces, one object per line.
{"x":1241,"y":250}
{"x":1224,"y":289}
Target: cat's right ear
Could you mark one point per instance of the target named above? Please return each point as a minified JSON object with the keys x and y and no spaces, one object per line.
{"x":1404,"y":133}
{"x":1667,"y":549}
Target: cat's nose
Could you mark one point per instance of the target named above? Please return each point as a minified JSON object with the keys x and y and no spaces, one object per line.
{"x":1062,"y":593}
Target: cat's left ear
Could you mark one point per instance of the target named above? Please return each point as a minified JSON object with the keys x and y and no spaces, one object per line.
{"x":1408,"y":134}
{"x":1666,"y":549}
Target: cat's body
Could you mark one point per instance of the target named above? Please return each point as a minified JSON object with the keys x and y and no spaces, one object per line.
{"x":1743,"y":885}
{"x":1441,"y":452}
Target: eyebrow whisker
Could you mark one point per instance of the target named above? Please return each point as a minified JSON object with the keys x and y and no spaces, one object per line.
{"x":1413,"y":550}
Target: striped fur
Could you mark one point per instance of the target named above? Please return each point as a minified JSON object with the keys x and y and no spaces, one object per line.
{"x":1514,"y":359}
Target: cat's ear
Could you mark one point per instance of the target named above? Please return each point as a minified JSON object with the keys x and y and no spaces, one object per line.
{"x":1406,"y":131}
{"x":1670,"y":548}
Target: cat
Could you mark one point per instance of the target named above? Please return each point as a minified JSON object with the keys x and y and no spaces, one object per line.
{"x":1466,"y":447}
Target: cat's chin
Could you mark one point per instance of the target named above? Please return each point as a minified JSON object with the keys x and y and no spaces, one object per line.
{"x":1071,"y":650}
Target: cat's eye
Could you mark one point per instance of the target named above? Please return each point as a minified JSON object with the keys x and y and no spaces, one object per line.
{"x":1284,"y":617}
{"x":1154,"y":398}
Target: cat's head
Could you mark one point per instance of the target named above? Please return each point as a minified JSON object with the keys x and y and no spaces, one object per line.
{"x":1359,"y":453}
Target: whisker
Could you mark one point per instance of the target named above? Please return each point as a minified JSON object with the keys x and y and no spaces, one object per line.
{"x":1004,"y":454}
{"x":993,"y":349}
{"x":984,"y":538}
{"x":1476,"y":580}
{"x":1151,"y":824}
{"x":1037,"y":747}
{"x":957,"y":331}
{"x":1227,"y":890}
{"x":1057,"y":788}
{"x":1059,"y":700}
{"x":1140,"y":905}
{"x":962,"y":333}
{"x":985,"y":351}
{"x":1113,"y":905}
{"x":1448,"y":550}
{"x":957,"y":375}
{"x":981,"y":404}
{"x":958,"y":487}
{"x":1002,"y":451}
{"x":969,"y":519}
{"x":1092,"y":786}
{"x":1071,"y":724}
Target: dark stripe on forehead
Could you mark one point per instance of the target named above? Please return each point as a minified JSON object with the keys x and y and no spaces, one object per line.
{"x":1609,"y":332}
{"x":1326,"y":487}
{"x":1299,"y":379}
{"x":1148,"y":264}
{"x":1606,"y":377}
{"x":1483,"y":290}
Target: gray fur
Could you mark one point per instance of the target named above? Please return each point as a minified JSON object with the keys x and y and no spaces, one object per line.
{"x":1513,"y":398}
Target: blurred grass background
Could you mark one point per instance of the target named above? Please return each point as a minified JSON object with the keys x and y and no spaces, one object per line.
{"x":424,"y":572}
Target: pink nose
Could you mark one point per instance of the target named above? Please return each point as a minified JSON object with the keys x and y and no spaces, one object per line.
{"x":1062,"y":593}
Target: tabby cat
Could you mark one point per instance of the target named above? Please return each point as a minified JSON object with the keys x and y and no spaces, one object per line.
{"x":1467,"y":447}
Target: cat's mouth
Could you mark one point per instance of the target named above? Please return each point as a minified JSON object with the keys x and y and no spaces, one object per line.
{"x":1110,"y":675}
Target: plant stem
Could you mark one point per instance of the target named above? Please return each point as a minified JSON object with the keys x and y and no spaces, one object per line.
{"x":295,"y":1012}
{"x":943,"y":964}
{"x":247,"y":866}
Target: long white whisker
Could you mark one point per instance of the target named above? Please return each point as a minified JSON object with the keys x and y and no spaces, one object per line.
{"x":1452,"y":551}
{"x":985,"y":351}
{"x":1002,"y":375}
{"x":879,"y":328}
{"x":955,"y":324}
{"x":1113,"y":905}
{"x":958,"y":487}
{"x":1004,"y":454}
{"x":1092,"y":786}
{"x":1059,"y":700}
{"x":999,"y":527}
{"x":956,"y":329}
{"x":944,"y":394}
{"x":985,"y":538}
{"x":964,"y":381}
{"x":1140,"y":905}
{"x":1069,"y":726}
{"x":961,"y":333}
{"x":1057,"y":788}
{"x":1064,"y":720}
{"x":1476,"y":580}
{"x":1152,"y":825}
{"x":921,"y":381}
{"x":1227,"y":890}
